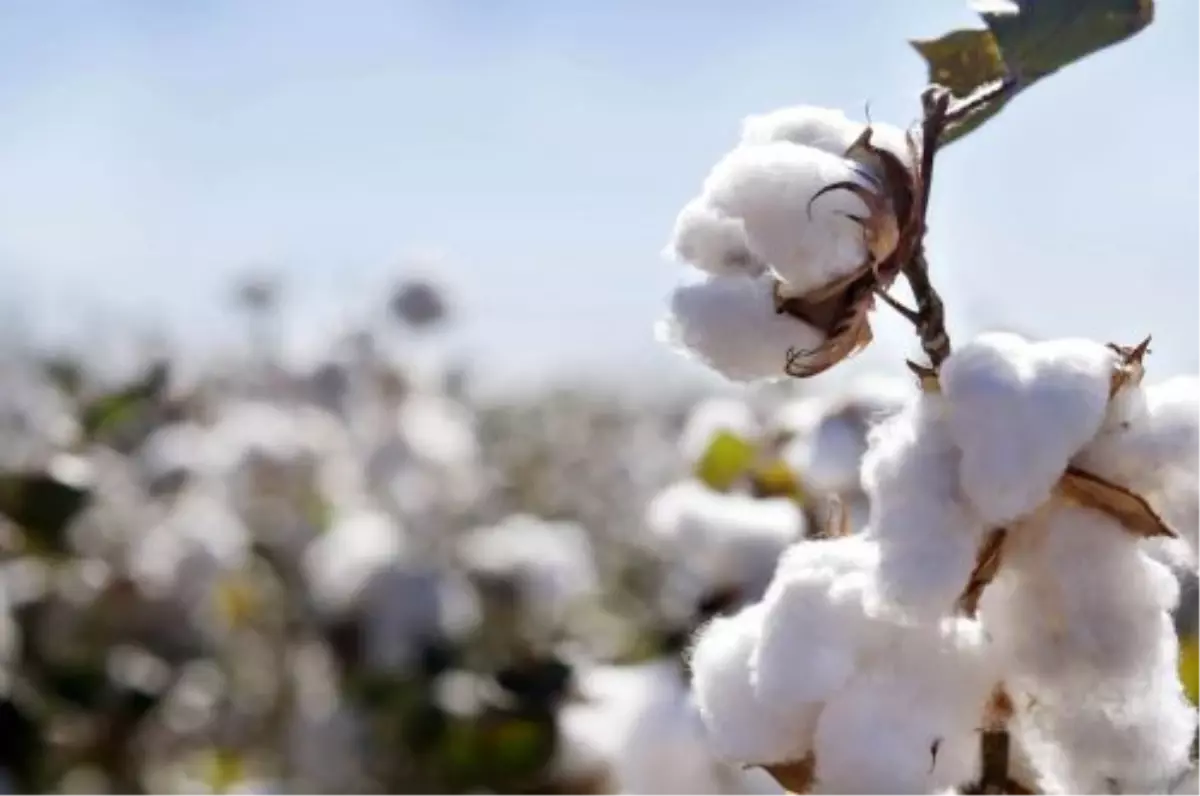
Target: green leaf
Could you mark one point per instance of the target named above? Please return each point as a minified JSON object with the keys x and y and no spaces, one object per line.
{"x":1027,"y":40}
{"x":43,"y":507}
{"x":108,"y":413}
{"x":725,"y":460}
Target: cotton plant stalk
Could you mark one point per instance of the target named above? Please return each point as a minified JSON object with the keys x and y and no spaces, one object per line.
{"x":973,"y":638}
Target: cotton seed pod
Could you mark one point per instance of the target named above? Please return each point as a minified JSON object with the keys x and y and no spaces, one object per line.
{"x":892,"y":229}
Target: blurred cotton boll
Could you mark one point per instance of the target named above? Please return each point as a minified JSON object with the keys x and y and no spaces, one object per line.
{"x":550,"y":565}
{"x":722,"y":541}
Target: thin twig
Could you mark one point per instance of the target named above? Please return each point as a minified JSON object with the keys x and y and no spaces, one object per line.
{"x":940,"y":112}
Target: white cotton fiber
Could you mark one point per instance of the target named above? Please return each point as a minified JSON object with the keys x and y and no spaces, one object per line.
{"x":928,"y":535}
{"x":712,"y":241}
{"x":730,"y":324}
{"x":1019,"y":411}
{"x":1151,"y":432}
{"x":817,"y":623}
{"x":769,"y":188}
{"x":908,"y":722}
{"x":1079,"y":618}
{"x":827,"y":129}
{"x":741,"y":727}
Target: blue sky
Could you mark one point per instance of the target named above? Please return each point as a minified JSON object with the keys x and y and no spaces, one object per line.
{"x":150,"y":151}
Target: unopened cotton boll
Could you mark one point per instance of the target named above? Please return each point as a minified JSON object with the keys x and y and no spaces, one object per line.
{"x":712,"y":417}
{"x":818,"y":622}
{"x":769,"y":188}
{"x":928,"y":535}
{"x":712,"y":241}
{"x":730,"y":324}
{"x":1019,"y":411}
{"x":743,"y":728}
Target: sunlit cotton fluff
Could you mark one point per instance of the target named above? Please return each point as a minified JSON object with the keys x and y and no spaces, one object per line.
{"x":908,"y":720}
{"x":928,"y":534}
{"x":730,"y":324}
{"x":1150,"y":443}
{"x":1019,"y":411}
{"x":827,"y":129}
{"x":1079,"y":621}
{"x":712,"y":241}
{"x":663,"y":748}
{"x":817,"y":623}
{"x":769,"y":188}
{"x":742,"y":728}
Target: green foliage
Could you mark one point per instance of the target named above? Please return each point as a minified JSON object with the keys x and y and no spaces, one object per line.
{"x":114,"y":415}
{"x":42,"y":506}
{"x":1026,"y":40}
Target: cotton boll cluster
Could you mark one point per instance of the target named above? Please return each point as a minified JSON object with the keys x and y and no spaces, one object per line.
{"x":768,"y":225}
{"x":857,"y":670}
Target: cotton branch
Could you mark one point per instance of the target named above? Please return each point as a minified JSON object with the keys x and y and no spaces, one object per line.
{"x":940,"y":113}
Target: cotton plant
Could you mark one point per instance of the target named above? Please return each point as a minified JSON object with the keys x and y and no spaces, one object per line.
{"x":1001,"y":624}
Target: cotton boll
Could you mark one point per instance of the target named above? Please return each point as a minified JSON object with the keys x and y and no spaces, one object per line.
{"x":340,"y":563}
{"x":741,"y":727}
{"x":769,"y":189}
{"x":1153,"y":432}
{"x":928,"y":536}
{"x":1020,"y":411}
{"x":712,"y":241}
{"x":908,"y":722}
{"x":1079,"y":618}
{"x":827,"y":129}
{"x":817,"y":623}
{"x":723,"y":540}
{"x":664,"y":751}
{"x":730,"y":324}
{"x":551,"y":562}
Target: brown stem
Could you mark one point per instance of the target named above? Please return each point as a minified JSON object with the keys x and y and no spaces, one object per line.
{"x":939,"y":113}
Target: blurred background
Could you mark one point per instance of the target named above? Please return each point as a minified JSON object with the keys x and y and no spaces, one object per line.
{"x":338,"y":454}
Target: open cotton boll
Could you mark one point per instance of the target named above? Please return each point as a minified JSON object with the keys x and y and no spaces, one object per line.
{"x":340,"y":563}
{"x":818,"y":623}
{"x":664,"y":750}
{"x":1056,"y":608}
{"x":908,"y":723}
{"x":743,"y":728}
{"x":730,"y":324}
{"x":827,"y":129}
{"x":928,"y":535}
{"x":712,"y":417}
{"x":769,"y":189}
{"x":724,"y":539}
{"x":1019,"y":411}
{"x":712,"y":241}
{"x":1151,"y":431}
{"x":551,"y":562}
{"x":1079,"y":619}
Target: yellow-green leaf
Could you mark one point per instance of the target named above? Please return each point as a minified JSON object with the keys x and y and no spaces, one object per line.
{"x":1189,"y":666}
{"x":725,"y":460}
{"x":1026,"y":40}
